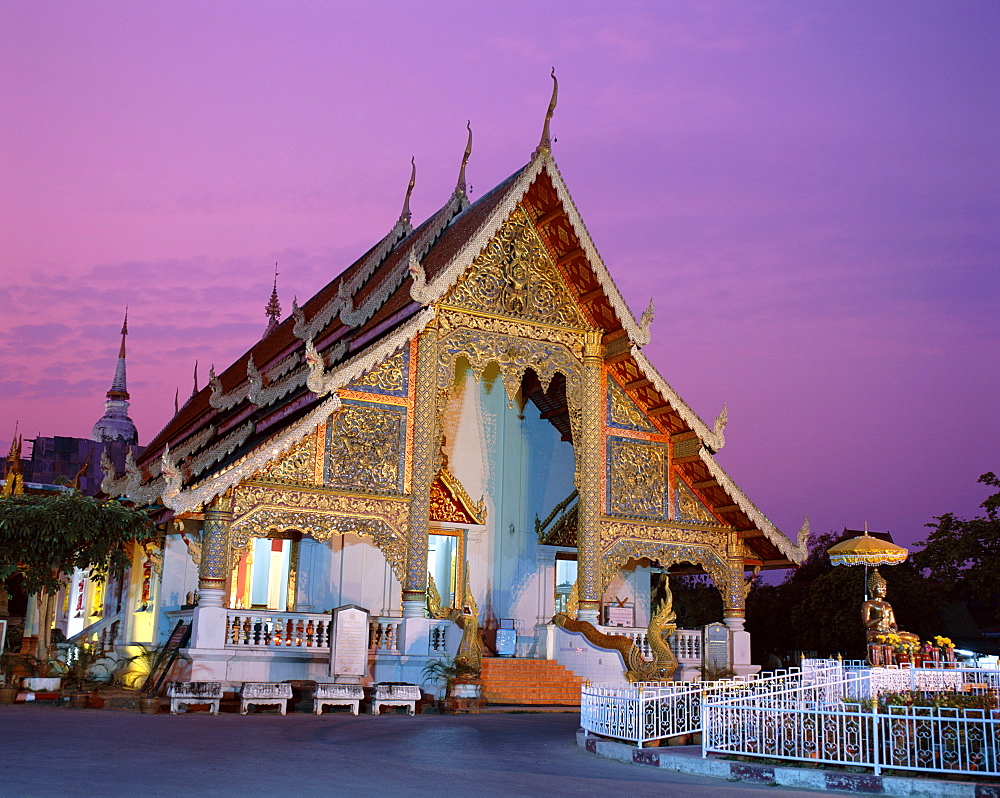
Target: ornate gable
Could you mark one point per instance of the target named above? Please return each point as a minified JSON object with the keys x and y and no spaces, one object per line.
{"x":451,"y":503}
{"x":515,"y":276}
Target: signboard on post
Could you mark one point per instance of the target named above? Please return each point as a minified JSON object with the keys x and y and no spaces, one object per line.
{"x":716,"y":646}
{"x":349,"y":644}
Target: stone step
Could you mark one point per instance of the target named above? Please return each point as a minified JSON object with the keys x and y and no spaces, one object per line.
{"x":529,"y":682}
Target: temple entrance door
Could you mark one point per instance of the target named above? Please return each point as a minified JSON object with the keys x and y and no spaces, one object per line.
{"x":264,"y":579}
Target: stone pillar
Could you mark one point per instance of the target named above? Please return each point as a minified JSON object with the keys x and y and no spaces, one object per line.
{"x":421,"y":475}
{"x":209,"y":629}
{"x":589,"y":461}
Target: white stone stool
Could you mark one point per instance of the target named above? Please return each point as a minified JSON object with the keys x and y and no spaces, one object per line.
{"x":184,"y":694}
{"x":395,"y":695}
{"x":265,"y":694}
{"x":337,"y":695}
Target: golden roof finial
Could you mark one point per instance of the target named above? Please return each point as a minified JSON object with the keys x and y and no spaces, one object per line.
{"x":121,"y":351}
{"x":405,"y":216}
{"x":273,"y":308}
{"x":195,"y":391}
{"x":545,"y":145}
{"x":460,"y":188}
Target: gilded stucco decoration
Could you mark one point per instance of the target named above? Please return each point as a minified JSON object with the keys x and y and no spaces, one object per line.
{"x":623,"y":413}
{"x":451,"y":502}
{"x":590,"y":457}
{"x":514,"y":276}
{"x":389,"y":378}
{"x":514,"y":356}
{"x":688,"y":507}
{"x":613,"y":530}
{"x":257,"y":509}
{"x":297,"y":467}
{"x":666,"y":554}
{"x":637,"y":483}
{"x":365,"y":448}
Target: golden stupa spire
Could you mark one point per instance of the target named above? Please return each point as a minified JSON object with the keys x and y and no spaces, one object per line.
{"x":405,"y":216}
{"x":545,"y":145}
{"x":14,"y":477}
{"x":460,"y":188}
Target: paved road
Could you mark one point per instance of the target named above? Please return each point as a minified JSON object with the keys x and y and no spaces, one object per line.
{"x":46,"y":750}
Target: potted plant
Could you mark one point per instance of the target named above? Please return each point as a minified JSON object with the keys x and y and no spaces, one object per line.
{"x":134,"y":672}
{"x":9,"y":680}
{"x":447,"y":671}
{"x":80,"y":661}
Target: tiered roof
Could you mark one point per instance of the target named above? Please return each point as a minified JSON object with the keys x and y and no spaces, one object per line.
{"x":285,"y":385}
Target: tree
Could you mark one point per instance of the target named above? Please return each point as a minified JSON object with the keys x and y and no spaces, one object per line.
{"x":44,"y":538}
{"x":963,"y":555}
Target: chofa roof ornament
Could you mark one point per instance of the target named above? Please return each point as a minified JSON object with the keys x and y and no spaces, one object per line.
{"x":545,"y":145}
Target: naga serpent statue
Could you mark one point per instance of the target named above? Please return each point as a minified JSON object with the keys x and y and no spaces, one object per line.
{"x":469,"y":657}
{"x":637,"y":669}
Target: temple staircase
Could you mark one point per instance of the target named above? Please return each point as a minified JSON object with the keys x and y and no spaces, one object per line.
{"x":529,"y":682}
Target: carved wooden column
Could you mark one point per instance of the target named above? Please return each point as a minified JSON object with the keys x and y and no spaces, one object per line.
{"x":588,"y":479}
{"x":421,"y":474}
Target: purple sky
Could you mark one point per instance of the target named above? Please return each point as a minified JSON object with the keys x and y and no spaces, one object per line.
{"x":807,"y":190}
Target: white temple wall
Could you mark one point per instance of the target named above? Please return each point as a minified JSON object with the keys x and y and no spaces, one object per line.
{"x":179,"y":577}
{"x":347,"y":569}
{"x":519,"y":463}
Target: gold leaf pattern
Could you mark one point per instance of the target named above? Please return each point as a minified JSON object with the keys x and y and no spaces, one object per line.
{"x":514,"y":276}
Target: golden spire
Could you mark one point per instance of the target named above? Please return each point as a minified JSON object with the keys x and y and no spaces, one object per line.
{"x":405,"y":216}
{"x":545,"y":145}
{"x":14,"y":478}
{"x":460,"y":188}
{"x":121,"y":351}
{"x":195,"y":391}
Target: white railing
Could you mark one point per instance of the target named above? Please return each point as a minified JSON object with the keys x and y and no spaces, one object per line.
{"x":103,"y":635}
{"x":814,"y":723}
{"x":656,"y":710}
{"x":685,"y":643}
{"x":266,"y":629}
{"x":437,"y":638}
{"x":384,"y":634}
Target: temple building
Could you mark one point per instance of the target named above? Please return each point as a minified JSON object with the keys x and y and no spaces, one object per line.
{"x":463,"y":417}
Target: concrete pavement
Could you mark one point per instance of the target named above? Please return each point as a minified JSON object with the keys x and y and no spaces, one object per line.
{"x":47,"y":750}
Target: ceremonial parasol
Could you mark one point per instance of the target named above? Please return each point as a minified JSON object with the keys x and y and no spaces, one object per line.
{"x":866,"y":550}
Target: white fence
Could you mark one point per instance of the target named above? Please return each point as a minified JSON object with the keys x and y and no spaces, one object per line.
{"x":814,"y":723}
{"x":825,"y":712}
{"x":655,"y":710}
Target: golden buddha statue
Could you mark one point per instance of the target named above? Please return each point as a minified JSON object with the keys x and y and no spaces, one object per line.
{"x":877,"y":613}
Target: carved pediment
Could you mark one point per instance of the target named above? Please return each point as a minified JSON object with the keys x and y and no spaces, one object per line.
{"x":515,"y":276}
{"x":451,"y":503}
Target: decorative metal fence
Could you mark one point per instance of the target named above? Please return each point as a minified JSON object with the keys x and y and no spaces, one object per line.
{"x":656,"y":710}
{"x":814,"y":723}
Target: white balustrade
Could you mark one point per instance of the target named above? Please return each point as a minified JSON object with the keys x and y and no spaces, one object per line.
{"x":684,"y":643}
{"x":437,"y":638}
{"x":384,"y":635}
{"x":301,"y":630}
{"x":266,"y":629}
